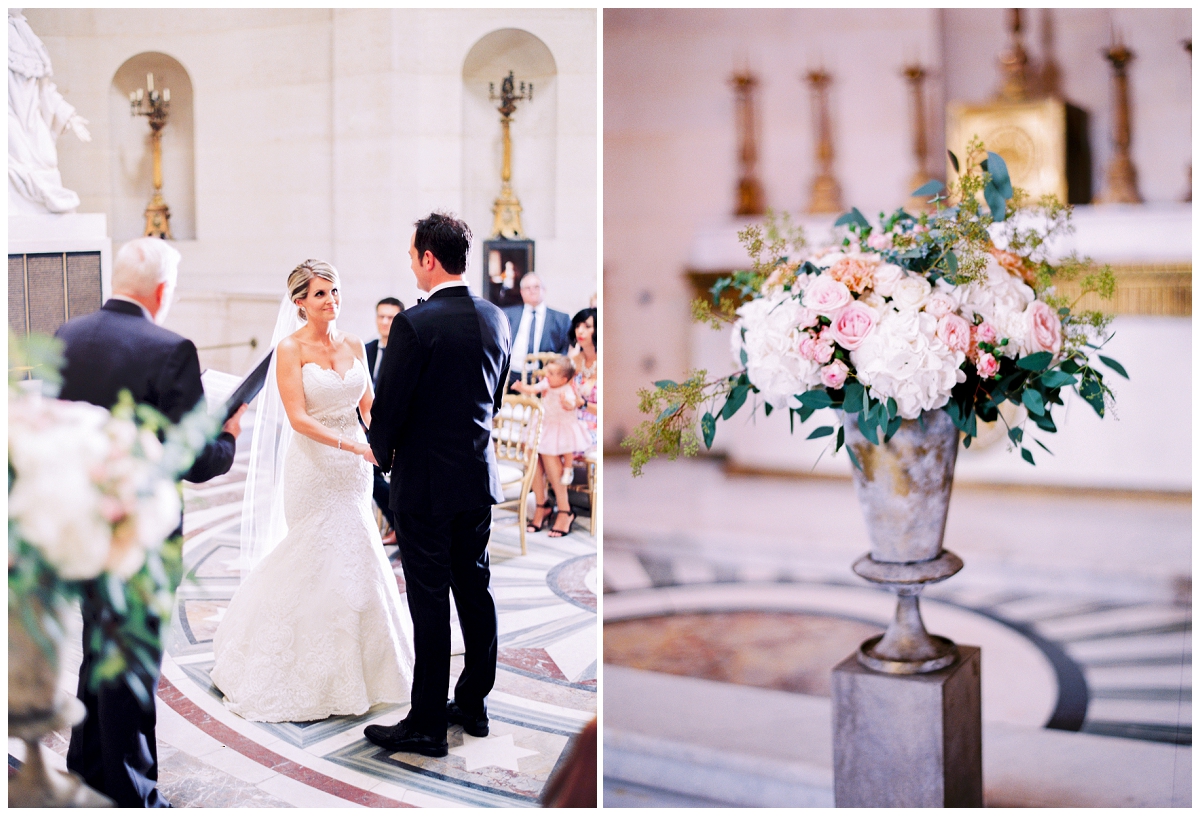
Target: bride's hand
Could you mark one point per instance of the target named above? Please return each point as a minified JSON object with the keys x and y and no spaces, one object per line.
{"x":369,"y":455}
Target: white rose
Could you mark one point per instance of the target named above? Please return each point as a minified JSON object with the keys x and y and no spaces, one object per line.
{"x":911,"y":292}
{"x":886,"y":277}
{"x":826,"y":296}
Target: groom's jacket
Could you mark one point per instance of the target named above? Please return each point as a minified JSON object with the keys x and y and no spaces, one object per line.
{"x":440,"y":383}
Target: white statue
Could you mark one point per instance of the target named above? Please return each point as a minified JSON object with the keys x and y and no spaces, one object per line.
{"x":37,"y":114}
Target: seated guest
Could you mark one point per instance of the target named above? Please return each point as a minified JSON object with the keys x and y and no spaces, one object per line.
{"x":535,"y":327}
{"x":385,"y":312}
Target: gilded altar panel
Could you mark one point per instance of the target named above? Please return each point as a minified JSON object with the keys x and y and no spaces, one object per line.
{"x":1030,"y":136}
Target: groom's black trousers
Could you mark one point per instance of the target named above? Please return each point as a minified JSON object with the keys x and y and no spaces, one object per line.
{"x":443,"y":554}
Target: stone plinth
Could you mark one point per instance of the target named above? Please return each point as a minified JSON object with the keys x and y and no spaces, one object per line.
{"x":908,"y":740}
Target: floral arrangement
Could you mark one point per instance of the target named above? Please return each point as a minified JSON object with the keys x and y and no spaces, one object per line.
{"x":955,"y":309}
{"x":92,"y":503}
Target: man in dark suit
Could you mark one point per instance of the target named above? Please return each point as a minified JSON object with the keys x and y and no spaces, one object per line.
{"x":385,"y":312}
{"x":535,"y":327}
{"x":442,"y":380}
{"x":122,"y":346}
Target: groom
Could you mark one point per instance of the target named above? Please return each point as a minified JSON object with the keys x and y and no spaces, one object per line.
{"x":439,"y":385}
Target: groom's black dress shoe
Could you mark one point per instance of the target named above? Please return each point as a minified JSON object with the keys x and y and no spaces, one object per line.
{"x":475,"y":726}
{"x":400,"y":737}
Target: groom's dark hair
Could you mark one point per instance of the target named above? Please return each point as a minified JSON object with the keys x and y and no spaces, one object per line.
{"x":448,"y":238}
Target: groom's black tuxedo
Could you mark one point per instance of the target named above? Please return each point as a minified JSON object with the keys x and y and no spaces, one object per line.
{"x":441,"y":380}
{"x":116,"y":348}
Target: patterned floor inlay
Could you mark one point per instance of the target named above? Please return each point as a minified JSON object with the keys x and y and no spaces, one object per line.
{"x":545,"y":690}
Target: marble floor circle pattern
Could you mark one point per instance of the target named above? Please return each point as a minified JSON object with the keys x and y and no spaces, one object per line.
{"x":545,"y":690}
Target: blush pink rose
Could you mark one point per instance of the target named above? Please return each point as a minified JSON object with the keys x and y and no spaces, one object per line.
{"x":939,"y":305}
{"x":1045,"y":329}
{"x":955,"y":333}
{"x":880,"y":240}
{"x":987,"y":366}
{"x":805,"y":318}
{"x":834,"y":374}
{"x":852,"y":325}
{"x":984,"y":333}
{"x":826,"y":295}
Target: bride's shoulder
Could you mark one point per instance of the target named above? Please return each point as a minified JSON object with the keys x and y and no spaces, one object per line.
{"x":288,"y":350}
{"x":355,"y":344}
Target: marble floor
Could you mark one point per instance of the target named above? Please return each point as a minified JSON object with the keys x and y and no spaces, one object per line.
{"x":544,"y":695}
{"x":1081,"y":602}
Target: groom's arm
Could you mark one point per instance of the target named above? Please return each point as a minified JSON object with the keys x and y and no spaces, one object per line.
{"x":398,"y":375}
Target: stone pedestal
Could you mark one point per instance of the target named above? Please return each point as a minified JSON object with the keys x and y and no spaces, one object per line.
{"x":908,"y":740}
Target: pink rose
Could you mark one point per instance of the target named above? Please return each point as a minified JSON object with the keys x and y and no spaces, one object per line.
{"x":955,"y":332}
{"x":805,"y":318}
{"x":987,"y":366}
{"x":852,"y":325}
{"x":984,"y":333}
{"x":834,"y":374}
{"x":886,"y":277}
{"x":1045,"y":329}
{"x":826,"y":295}
{"x":939,"y":305}
{"x":880,"y":240}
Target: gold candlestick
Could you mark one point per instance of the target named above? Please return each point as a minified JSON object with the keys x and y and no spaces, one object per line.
{"x":915,"y":75}
{"x":1187,"y":46}
{"x":1014,"y":64}
{"x":750,"y":199}
{"x":826,"y":194}
{"x":506,"y":210}
{"x":154,"y":105}
{"x":1122,"y":176}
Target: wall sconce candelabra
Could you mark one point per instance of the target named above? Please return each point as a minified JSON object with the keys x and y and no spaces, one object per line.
{"x":506,"y":211}
{"x":750,"y":193}
{"x":826,"y":193}
{"x":1122,"y":176}
{"x":154,"y":105}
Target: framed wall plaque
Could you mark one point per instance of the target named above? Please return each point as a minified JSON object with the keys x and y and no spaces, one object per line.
{"x":505,"y":262}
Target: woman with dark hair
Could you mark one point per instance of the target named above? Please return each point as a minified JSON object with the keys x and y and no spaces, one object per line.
{"x":583,"y":338}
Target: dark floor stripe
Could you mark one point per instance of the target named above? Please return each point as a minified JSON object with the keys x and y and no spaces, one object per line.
{"x":1151,"y":732}
{"x":1115,"y":634}
{"x":1150,"y":694}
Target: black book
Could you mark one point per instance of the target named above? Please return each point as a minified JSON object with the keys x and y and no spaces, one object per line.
{"x":248,"y":389}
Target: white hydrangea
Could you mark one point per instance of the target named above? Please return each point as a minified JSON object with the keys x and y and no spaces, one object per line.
{"x":904,"y":359}
{"x":1000,"y":299}
{"x":766,"y":331}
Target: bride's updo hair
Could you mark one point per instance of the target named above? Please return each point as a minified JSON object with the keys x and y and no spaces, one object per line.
{"x":303,"y":274}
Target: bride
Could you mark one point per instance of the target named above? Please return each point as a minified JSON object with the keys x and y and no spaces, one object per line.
{"x":317,"y":628}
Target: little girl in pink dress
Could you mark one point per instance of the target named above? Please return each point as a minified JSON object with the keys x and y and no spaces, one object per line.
{"x":563,"y":435}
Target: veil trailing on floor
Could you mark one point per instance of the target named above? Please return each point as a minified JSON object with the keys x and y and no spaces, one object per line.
{"x":263,"y":524}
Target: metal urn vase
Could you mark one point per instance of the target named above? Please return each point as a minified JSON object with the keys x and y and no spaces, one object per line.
{"x":35,"y":708}
{"x":903,"y":487}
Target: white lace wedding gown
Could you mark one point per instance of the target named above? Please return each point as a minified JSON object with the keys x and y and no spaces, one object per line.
{"x":318,"y":629}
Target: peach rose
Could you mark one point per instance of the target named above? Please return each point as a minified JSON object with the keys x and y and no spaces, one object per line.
{"x":1015,"y":264}
{"x":856,"y":272}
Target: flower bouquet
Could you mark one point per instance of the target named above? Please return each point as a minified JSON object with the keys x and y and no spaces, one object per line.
{"x":954,"y":309}
{"x":92,"y":502}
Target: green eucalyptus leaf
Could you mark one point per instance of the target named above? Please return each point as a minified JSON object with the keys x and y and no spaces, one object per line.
{"x":1035,"y":362}
{"x":668,"y":411}
{"x":852,"y":403}
{"x":1033,"y":401}
{"x":1057,"y":379}
{"x":999,"y":171}
{"x":953,"y":160}
{"x":1093,"y":394}
{"x":737,"y":398}
{"x":853,"y":459}
{"x":805,"y":412}
{"x":1027,"y":456}
{"x":1015,"y":434}
{"x":660,"y":384}
{"x":929,"y":188}
{"x":841,"y":439}
{"x":1114,"y":365}
{"x":1043,"y":447}
{"x":708,"y":426}
{"x":995,"y":202}
{"x":824,"y":430}
{"x":817,"y":398}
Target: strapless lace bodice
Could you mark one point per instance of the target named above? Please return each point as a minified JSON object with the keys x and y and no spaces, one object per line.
{"x":318,"y":628}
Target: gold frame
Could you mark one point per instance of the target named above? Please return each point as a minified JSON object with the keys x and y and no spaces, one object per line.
{"x":1031,"y":137}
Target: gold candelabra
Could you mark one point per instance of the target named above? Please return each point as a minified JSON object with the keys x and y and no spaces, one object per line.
{"x":826,"y":194}
{"x":1014,"y":64}
{"x":915,"y":75}
{"x":750,"y":200}
{"x":154,"y":105}
{"x":1122,"y":176}
{"x":506,"y":210}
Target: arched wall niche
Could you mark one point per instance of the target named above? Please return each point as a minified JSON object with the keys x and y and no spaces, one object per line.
{"x":534,"y":131}
{"x":132,"y":159}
